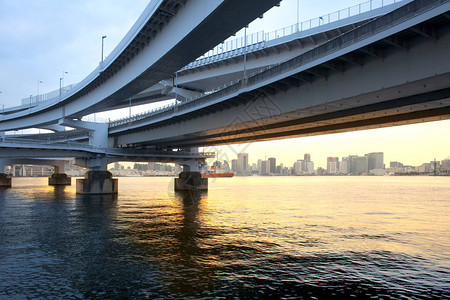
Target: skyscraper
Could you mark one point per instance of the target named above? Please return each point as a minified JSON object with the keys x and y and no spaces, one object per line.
{"x":242,"y":163}
{"x":375,"y":160}
{"x":332,"y":165}
{"x":272,"y":165}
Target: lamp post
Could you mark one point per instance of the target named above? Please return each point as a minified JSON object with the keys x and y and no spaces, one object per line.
{"x":245,"y":52}
{"x":37,"y":89}
{"x":60,"y":85}
{"x":3,"y":111}
{"x":64,"y":72}
{"x":103,"y":38}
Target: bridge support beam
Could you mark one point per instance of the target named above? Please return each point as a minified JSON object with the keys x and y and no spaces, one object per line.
{"x":97,"y":181}
{"x":191,"y":178}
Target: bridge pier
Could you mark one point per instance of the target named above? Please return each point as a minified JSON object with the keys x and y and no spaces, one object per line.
{"x":191,"y":178}
{"x":96,"y":181}
{"x":5,"y":180}
{"x":59,"y":177}
{"x":191,"y":181}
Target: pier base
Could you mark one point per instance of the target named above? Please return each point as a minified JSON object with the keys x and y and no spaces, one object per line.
{"x":59,"y":179}
{"x":5,"y":181}
{"x":191,"y":181}
{"x":97,"y":182}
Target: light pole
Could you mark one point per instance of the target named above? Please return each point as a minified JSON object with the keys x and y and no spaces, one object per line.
{"x":37,"y":90}
{"x":3,"y":111}
{"x":298,"y":13}
{"x":245,"y":52}
{"x":60,"y":85}
{"x":64,"y":72}
{"x":103,"y":38}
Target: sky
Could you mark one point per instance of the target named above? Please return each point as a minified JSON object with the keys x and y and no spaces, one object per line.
{"x":43,"y":41}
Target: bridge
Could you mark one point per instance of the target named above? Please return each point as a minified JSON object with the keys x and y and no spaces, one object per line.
{"x":370,"y":70}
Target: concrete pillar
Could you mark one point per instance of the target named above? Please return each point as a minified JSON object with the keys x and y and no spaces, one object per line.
{"x":5,"y":180}
{"x":191,"y":178}
{"x":97,"y":180}
{"x":190,"y":181}
{"x":59,"y":177}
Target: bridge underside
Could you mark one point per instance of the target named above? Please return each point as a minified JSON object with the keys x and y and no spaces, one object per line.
{"x":401,"y":78}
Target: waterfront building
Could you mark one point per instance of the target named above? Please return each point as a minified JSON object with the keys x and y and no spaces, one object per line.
{"x":332,"y":165}
{"x":264,"y":168}
{"x":358,"y":164}
{"x":344,"y":166}
{"x":234,"y":165}
{"x":298,"y":167}
{"x":242,"y":163}
{"x":375,"y":160}
{"x":272,"y":165}
{"x":307,"y":157}
{"x":309,"y":167}
{"x":445,"y":165}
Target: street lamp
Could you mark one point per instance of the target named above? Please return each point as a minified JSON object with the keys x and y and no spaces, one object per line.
{"x":103,"y":38}
{"x":60,"y":85}
{"x":64,"y":72}
{"x":37,"y":90}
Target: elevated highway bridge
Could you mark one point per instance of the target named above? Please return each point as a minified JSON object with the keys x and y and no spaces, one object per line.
{"x":387,"y":71}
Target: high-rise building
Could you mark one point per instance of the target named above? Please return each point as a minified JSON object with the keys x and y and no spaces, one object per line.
{"x":332,"y":165}
{"x":234,"y":166}
{"x":309,"y":167}
{"x":344,"y":166}
{"x":375,"y":160}
{"x":307,"y":157}
{"x":298,"y":167}
{"x":358,"y":164}
{"x":264,"y":167}
{"x":242,"y":163}
{"x":272,"y":165}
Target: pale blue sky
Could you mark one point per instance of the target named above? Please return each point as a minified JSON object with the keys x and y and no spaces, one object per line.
{"x":39,"y":40}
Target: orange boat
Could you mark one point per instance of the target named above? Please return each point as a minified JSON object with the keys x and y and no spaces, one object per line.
{"x":213,"y":173}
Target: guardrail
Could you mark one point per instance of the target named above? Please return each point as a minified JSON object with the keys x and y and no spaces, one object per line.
{"x":48,"y":96}
{"x":258,"y":40}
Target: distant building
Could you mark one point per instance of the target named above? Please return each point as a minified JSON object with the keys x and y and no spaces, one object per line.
{"x":264,"y":167}
{"x":242,"y":163}
{"x":307,"y":157}
{"x":309,"y":167}
{"x":395,"y":164}
{"x":445,"y":165}
{"x":298,"y":167}
{"x":332,"y":165}
{"x":375,"y":160}
{"x":344,"y":166}
{"x":358,"y":164}
{"x":234,"y":165}
{"x":272,"y":165}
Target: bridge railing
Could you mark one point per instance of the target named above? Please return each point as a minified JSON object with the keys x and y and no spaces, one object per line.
{"x":48,"y":96}
{"x":258,"y":40}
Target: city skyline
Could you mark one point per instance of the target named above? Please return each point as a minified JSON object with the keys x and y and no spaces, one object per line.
{"x":30,"y":42}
